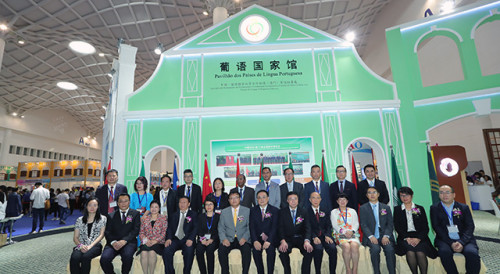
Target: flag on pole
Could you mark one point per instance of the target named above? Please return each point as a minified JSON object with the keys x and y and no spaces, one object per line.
{"x":324,"y":171}
{"x":106,"y":171}
{"x":143,"y":171}
{"x":354,"y":176}
{"x":433,"y":178}
{"x":290,"y":165}
{"x":237,"y":168}
{"x":207,"y":184}
{"x":260,"y":169}
{"x":175,"y":179}
{"x":396,"y":181}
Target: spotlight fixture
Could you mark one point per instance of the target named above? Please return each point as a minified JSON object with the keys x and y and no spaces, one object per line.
{"x":111,"y":72}
{"x":14,"y":114}
{"x":101,"y":54}
{"x":20,"y":41}
{"x":205,"y":13}
{"x":159,"y":49}
{"x":3,"y":27}
{"x":104,"y":107}
{"x":120,"y":41}
{"x":81,"y":47}
{"x":22,"y":116}
{"x":447,"y":6}
{"x":67,"y":85}
{"x":350,"y":36}
{"x":102,"y":118}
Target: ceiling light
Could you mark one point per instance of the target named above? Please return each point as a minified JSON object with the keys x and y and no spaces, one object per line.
{"x":101,"y":54}
{"x":102,"y":118}
{"x":81,"y":47}
{"x":67,"y":85}
{"x":350,"y":36}
{"x":104,"y":107}
{"x":14,"y":114}
{"x":88,"y":136}
{"x":21,"y":41}
{"x":205,"y":13}
{"x":447,"y":6}
{"x":3,"y":27}
{"x":159,"y":49}
{"x":22,"y":116}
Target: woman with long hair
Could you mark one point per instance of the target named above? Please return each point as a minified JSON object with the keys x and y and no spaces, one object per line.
{"x":89,"y":231}
{"x":140,"y":200}
{"x":219,"y":197}
{"x":152,"y":236}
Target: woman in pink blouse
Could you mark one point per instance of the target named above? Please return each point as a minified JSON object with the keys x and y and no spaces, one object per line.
{"x":152,"y":236}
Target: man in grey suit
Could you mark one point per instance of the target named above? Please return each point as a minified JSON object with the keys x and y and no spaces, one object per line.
{"x":289,"y":186}
{"x":377,"y":226}
{"x":247,"y":194}
{"x":234,"y":232}
{"x":272,"y":188}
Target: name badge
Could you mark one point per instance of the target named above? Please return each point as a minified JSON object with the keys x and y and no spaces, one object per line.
{"x":207,"y":236}
{"x":164,"y":210}
{"x":452,"y":229}
{"x":112,"y":204}
{"x":218,"y":211}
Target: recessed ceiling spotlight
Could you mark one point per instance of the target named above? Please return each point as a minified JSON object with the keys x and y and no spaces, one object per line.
{"x":21,"y":41}
{"x":101,"y":54}
{"x":3,"y":27}
{"x":14,"y":114}
{"x":350,"y":36}
{"x":67,"y":85}
{"x":81,"y":47}
{"x":159,"y":49}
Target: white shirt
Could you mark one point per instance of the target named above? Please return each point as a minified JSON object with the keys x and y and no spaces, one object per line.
{"x":237,"y":211}
{"x":290,"y":186}
{"x":38,"y":196}
{"x":190,"y":189}
{"x":163,"y":204}
{"x":409,"y":217}
{"x":317,"y":186}
{"x":314,"y":209}
{"x":62,"y":198}
{"x":371,"y":183}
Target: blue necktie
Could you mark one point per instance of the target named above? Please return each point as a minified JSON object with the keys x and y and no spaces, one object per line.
{"x":241,"y":194}
{"x":293,"y":216}
{"x":375,"y":213}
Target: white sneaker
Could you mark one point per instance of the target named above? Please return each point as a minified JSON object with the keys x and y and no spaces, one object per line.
{"x":57,"y":219}
{"x":33,"y":232}
{"x":53,"y":219}
{"x":40,"y":231}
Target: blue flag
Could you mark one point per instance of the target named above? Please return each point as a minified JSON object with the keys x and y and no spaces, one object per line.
{"x":175,"y":178}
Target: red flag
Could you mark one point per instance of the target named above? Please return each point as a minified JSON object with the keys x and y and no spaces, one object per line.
{"x":106,"y":177}
{"x":354,"y":173}
{"x":237,"y":168}
{"x":207,"y":185}
{"x":324,"y":172}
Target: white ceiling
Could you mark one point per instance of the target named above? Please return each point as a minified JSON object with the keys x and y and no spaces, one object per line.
{"x":29,"y":72}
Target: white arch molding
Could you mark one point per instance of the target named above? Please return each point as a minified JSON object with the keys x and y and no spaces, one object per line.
{"x":148,"y":158}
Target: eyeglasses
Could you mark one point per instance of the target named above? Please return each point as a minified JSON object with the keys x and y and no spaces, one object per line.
{"x":372,"y":192}
{"x":445,"y":192}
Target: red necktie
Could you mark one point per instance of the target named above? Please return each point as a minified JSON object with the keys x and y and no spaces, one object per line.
{"x":317,"y":219}
{"x":342,"y":187}
{"x":110,"y":200}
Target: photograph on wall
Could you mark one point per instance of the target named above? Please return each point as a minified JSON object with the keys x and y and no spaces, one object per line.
{"x":274,"y":153}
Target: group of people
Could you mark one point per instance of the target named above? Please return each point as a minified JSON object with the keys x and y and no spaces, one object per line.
{"x":314,"y":218}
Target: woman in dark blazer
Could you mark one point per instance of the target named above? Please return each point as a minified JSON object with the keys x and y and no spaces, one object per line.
{"x":220,"y":198}
{"x":410,"y":223}
{"x":208,"y":237}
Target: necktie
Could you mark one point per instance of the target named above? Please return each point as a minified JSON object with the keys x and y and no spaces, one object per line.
{"x":123,"y":217}
{"x":267,"y":186}
{"x":263,"y":214}
{"x":342,"y":187}
{"x":317,"y":219}
{"x":293,"y":216}
{"x":317,"y":188}
{"x":235,"y":219}
{"x":110,"y":200}
{"x":189,"y":192}
{"x":241,"y":194}
{"x":180,"y":231}
{"x":375,"y":213}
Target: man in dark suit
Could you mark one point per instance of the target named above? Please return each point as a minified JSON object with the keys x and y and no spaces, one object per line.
{"x":167,"y":197}
{"x":343,"y":186}
{"x":191,"y":191}
{"x":247,"y":194}
{"x":108,"y":194}
{"x":317,"y":185}
{"x":321,"y":231}
{"x":271,"y":187}
{"x":263,"y":230}
{"x":294,"y":231}
{"x":289,"y":186}
{"x":181,"y":234}
{"x":452,"y":221}
{"x":377,"y":226}
{"x":370,"y":181}
{"x":121,"y":233}
{"x":234,"y":233}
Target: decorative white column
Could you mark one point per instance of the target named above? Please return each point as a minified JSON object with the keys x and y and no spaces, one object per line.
{"x":219,"y":14}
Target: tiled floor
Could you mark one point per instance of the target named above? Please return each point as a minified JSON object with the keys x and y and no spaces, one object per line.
{"x":50,"y":254}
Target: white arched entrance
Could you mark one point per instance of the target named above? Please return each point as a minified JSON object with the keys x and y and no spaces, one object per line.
{"x":150,"y":156}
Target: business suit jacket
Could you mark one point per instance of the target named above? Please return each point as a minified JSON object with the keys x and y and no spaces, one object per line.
{"x":274,"y":193}
{"x":223,"y":200}
{"x":203,"y":227}
{"x":464,"y":222}
{"x":190,"y":225}
{"x":194,"y":198}
{"x":297,"y":187}
{"x":349,"y":190}
{"x":226,"y":227}
{"x":248,"y":196}
{"x":379,"y":185}
{"x":158,"y":232}
{"x":421,"y":227}
{"x":102,"y":194}
{"x":172,"y":202}
{"x":323,"y":227}
{"x":116,"y":231}
{"x":324,"y":192}
{"x":287,"y":230}
{"x":268,"y":226}
{"x":14,"y":207}
{"x":368,"y":221}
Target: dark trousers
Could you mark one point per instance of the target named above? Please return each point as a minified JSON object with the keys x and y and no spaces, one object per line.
{"x":271,"y":258}
{"x":187,"y":253}
{"x":390,"y":256}
{"x":80,"y":262}
{"x":331,"y":250}
{"x":38,"y":214}
{"x":470,"y":252}
{"x":72,"y":205}
{"x":126,"y":253}
{"x":246,"y":255}
{"x":63,"y":213}
{"x":297,"y":242}
{"x":200,"y":257}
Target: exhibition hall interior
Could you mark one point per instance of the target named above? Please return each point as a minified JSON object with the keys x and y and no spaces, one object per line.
{"x":266,"y":97}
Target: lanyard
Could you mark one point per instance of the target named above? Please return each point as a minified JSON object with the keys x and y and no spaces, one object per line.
{"x":211,"y":222}
{"x":450,"y":217}
{"x":342,"y":215}
{"x":111,"y":194}
{"x":218,"y":200}
{"x":165,"y":199}
{"x":140,"y":200}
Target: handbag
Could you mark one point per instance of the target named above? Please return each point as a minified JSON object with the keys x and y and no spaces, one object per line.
{"x":47,"y":204}
{"x":3,"y":239}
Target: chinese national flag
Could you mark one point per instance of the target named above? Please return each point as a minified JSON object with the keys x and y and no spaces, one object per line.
{"x":105,"y":177}
{"x":207,"y":185}
{"x":354,"y":173}
{"x":237,"y":168}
